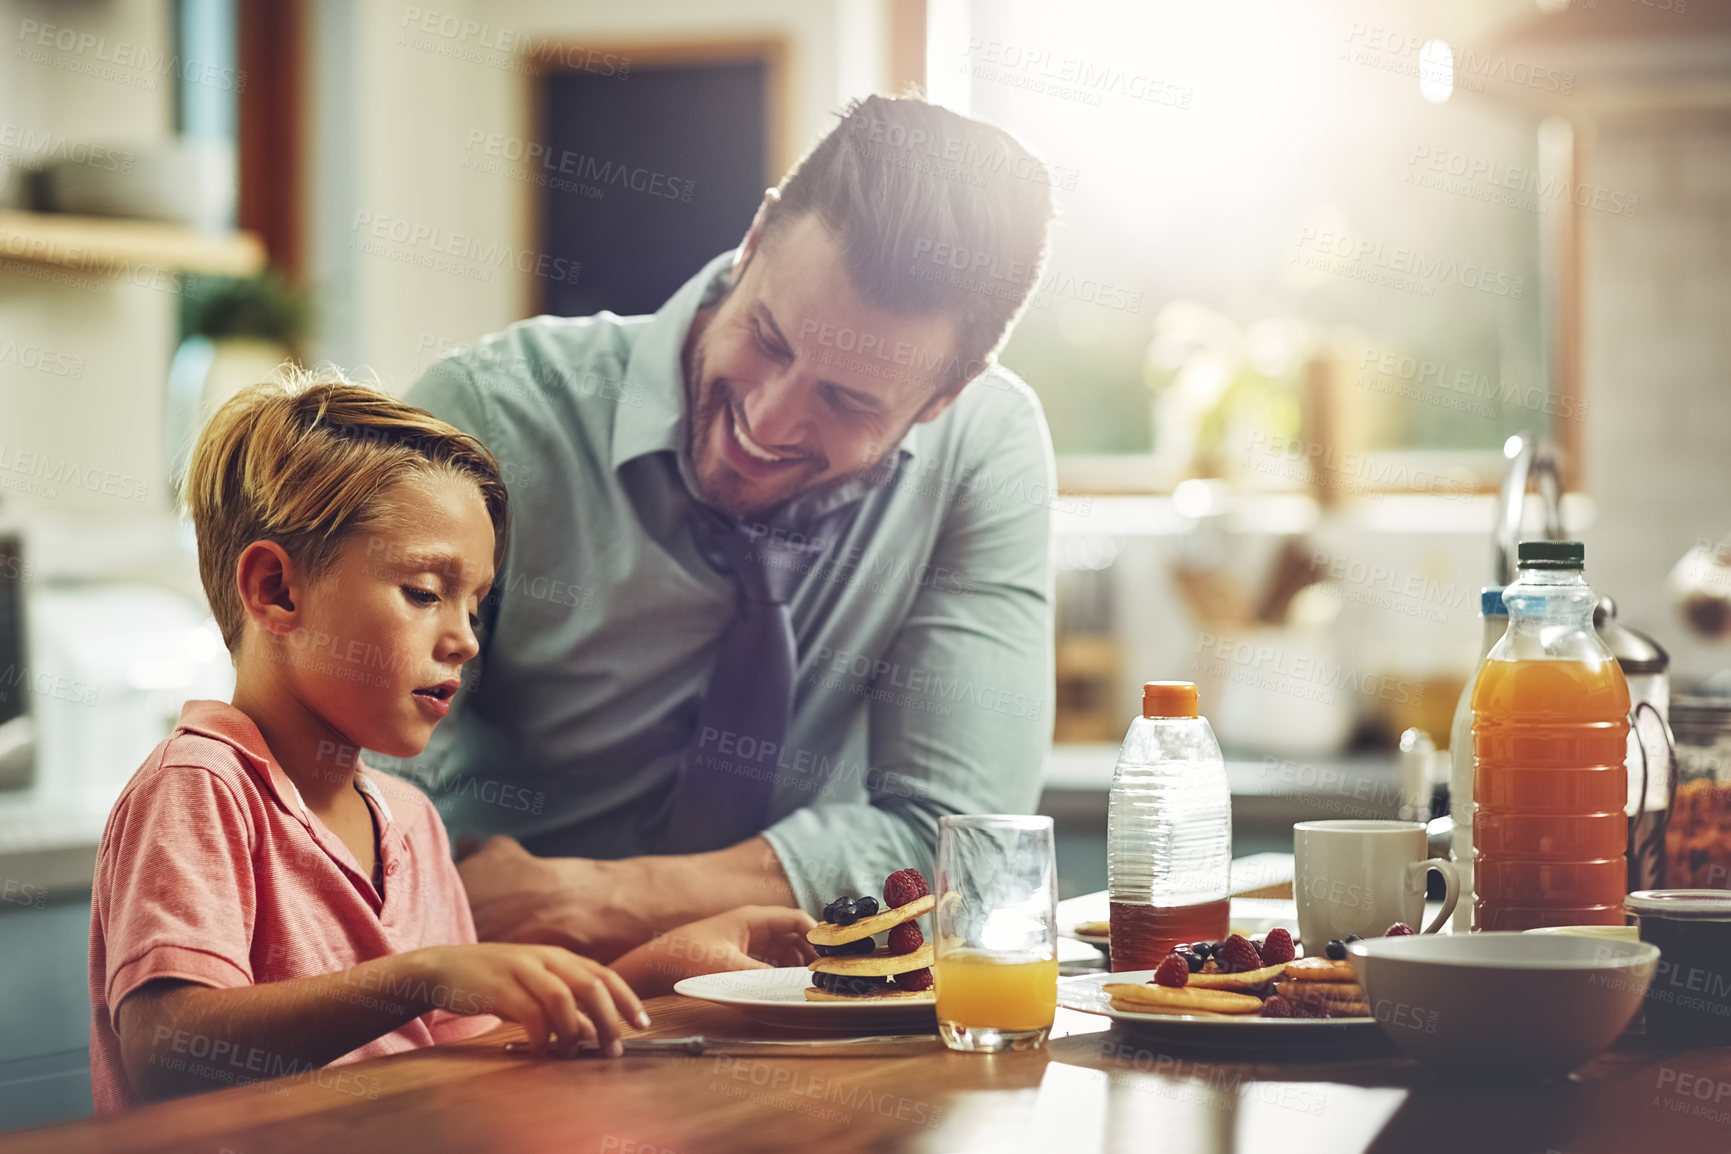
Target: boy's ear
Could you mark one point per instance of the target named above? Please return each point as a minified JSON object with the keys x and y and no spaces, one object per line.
{"x":270,"y":587}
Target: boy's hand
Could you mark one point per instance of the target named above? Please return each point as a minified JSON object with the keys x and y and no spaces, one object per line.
{"x":547,"y":989}
{"x":747,"y":938}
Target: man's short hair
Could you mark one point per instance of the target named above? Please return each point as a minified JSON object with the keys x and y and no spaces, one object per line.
{"x":303,"y":461}
{"x":934,"y":212}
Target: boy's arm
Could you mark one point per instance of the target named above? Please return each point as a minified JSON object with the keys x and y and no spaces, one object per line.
{"x":180,"y":1037}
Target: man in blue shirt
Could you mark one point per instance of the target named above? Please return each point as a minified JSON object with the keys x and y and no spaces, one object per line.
{"x":776,"y":596}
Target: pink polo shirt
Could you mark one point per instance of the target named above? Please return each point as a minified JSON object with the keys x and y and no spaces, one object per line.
{"x":211,"y":870}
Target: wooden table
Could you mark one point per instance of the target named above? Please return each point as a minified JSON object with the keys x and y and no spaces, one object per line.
{"x":1091,"y":1088}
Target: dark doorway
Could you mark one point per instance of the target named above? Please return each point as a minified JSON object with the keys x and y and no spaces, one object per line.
{"x":649,"y":174}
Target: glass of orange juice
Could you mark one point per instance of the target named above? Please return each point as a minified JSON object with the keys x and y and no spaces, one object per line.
{"x":997,"y":932}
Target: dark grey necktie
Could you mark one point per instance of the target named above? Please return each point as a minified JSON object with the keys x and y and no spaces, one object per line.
{"x":728,"y":770}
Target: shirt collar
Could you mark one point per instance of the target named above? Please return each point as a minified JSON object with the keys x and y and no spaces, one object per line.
{"x":655,"y":373}
{"x":223,"y":722}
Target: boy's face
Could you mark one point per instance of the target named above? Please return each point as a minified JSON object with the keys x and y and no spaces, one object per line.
{"x":393,"y":619}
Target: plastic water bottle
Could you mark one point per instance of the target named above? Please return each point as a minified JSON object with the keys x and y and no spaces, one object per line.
{"x":1550,"y":735}
{"x":1168,"y":831}
{"x":1496,"y":622}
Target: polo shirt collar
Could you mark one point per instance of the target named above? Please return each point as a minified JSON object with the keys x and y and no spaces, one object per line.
{"x":655,"y":372}
{"x":223,"y":722}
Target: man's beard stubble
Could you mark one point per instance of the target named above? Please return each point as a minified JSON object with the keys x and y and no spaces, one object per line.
{"x":707,"y":402}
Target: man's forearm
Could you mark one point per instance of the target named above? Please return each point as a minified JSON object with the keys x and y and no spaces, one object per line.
{"x":602,"y":909}
{"x":682,"y":888}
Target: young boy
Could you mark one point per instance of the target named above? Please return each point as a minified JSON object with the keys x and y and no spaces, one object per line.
{"x":264,"y":903}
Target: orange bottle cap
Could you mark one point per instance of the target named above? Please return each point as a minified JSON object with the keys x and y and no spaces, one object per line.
{"x":1169,"y":699}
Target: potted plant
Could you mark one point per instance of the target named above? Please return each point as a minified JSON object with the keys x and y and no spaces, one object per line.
{"x":235,"y":332}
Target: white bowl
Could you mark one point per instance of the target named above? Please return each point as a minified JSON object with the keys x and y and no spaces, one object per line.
{"x":1538,"y":1003}
{"x":188,"y":182}
{"x":1606,"y":933}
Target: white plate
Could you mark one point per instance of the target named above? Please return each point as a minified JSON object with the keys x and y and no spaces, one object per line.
{"x":777,"y":998}
{"x":1085,"y":993}
{"x":1098,"y":941}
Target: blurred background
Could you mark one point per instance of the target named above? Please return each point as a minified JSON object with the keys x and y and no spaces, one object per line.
{"x":1332,"y":286}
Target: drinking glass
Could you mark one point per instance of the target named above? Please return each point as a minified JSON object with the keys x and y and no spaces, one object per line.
{"x":997,"y":932}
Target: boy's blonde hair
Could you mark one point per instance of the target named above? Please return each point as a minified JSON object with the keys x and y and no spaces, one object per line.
{"x":302,"y":460}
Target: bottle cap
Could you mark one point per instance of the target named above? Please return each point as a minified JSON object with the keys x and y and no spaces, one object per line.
{"x":1169,"y":699}
{"x":1550,"y":554}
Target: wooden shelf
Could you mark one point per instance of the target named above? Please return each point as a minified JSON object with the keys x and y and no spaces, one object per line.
{"x":104,"y":246}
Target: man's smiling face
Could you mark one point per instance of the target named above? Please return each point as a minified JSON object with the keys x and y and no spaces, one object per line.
{"x":781,"y":397}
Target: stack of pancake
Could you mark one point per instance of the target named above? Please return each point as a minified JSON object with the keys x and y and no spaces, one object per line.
{"x":1316,"y":988}
{"x":871,"y":969}
{"x":1322,"y":988}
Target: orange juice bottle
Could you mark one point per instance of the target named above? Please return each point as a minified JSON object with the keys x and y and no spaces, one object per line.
{"x":1550,"y":734}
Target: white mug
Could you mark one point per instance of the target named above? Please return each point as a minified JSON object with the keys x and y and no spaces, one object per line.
{"x":1360,"y":877}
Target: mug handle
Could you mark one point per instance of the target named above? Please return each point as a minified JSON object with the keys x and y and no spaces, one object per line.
{"x":1451,"y":886}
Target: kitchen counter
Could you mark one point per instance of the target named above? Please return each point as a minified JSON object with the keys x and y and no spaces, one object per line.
{"x":1269,"y":794}
{"x":48,"y":843}
{"x":1360,"y":784}
{"x":47,"y":846}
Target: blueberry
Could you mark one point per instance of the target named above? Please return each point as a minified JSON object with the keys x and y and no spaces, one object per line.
{"x":1204,"y":949}
{"x":857,"y":983}
{"x":862,"y":946}
{"x":1191,"y":958}
{"x":865,"y":907}
{"x":841,"y":912}
{"x":1337,"y":950}
{"x":827,"y":951}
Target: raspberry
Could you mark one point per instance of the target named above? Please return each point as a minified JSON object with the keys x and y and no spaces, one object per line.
{"x":904,"y":886}
{"x":1398,"y":930}
{"x":1277,"y":1007}
{"x":906,"y":938}
{"x":914,"y":980}
{"x":1238,"y":956}
{"x":1277,"y":949}
{"x":1173,"y":971}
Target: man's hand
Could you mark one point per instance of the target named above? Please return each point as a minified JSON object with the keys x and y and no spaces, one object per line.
{"x":748,"y":938}
{"x":601,"y":909}
{"x":572,"y":902}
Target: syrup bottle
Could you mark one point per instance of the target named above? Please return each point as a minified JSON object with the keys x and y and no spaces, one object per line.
{"x":1168,"y":831}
